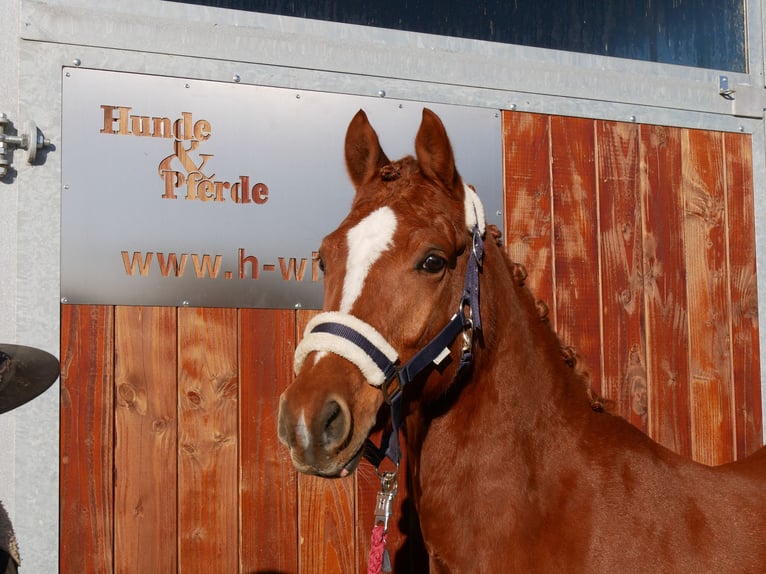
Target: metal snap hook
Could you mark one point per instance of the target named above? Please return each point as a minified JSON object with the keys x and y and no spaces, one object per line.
{"x":386,"y":494}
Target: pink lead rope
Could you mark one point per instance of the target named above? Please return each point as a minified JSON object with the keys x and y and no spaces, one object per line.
{"x":378,"y":550}
{"x":379,"y":560}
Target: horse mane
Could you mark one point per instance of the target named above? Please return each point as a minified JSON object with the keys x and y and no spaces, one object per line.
{"x":569,"y":354}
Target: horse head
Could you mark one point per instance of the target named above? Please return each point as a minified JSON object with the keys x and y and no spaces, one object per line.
{"x":393,"y":276}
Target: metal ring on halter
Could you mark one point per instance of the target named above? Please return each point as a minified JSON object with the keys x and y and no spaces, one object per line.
{"x":468,"y":335}
{"x":475,"y":242}
{"x":387,"y":475}
{"x":391,"y":387}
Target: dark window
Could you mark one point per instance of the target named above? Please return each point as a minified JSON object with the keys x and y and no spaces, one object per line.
{"x":700,"y":33}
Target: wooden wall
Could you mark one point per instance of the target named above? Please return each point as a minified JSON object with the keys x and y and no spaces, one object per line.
{"x":639,"y":238}
{"x":169,"y":454}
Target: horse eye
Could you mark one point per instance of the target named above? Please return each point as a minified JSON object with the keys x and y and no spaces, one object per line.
{"x":433,"y":264}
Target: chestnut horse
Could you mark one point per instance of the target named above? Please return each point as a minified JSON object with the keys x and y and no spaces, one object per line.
{"x":510,"y":465}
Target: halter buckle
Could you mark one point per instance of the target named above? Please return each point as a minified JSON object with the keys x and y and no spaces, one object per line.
{"x":467,"y":336}
{"x":477,"y":246}
{"x":391,"y":388}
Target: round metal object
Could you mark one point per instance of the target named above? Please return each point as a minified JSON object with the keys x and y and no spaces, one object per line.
{"x":25,"y":373}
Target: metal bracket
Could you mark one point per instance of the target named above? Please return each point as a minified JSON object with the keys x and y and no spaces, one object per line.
{"x":746,"y":101}
{"x":31,"y":140}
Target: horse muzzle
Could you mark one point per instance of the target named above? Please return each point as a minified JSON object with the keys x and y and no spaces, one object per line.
{"x":325,"y":416}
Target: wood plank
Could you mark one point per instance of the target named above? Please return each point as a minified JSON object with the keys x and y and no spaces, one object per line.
{"x":326,"y":525}
{"x":268,"y":482}
{"x":623,"y":347}
{"x":667,"y":336}
{"x":576,"y":240}
{"x":208,"y":489}
{"x":707,"y":289}
{"x":85,"y":473}
{"x":746,"y":367}
{"x":527,"y":199}
{"x":145,"y":452}
{"x":325,"y":514}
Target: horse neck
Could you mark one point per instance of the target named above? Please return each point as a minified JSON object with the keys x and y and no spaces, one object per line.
{"x":523,"y":355}
{"x":519,"y":380}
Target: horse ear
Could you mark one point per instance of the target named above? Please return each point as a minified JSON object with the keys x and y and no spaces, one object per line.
{"x":434,"y":151}
{"x":364,"y":156}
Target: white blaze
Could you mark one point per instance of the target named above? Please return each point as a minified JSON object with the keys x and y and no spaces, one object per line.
{"x":367,"y":241}
{"x":302,"y":434}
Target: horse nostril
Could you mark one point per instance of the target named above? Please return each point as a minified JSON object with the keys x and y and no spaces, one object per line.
{"x":335,"y":428}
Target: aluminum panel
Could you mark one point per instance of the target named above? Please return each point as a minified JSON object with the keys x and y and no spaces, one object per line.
{"x":192,"y":192}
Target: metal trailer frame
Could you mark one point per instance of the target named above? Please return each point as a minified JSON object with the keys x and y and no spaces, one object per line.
{"x":38,"y":39}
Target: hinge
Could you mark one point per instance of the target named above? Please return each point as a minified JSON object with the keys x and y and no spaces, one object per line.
{"x":746,"y":101}
{"x":30,"y":140}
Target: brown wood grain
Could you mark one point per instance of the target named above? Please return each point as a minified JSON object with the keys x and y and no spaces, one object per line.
{"x":621,"y":226}
{"x":208,"y":416}
{"x":667,"y":336}
{"x":326,"y":527}
{"x":707,"y":289}
{"x":267,"y":479}
{"x":145,"y":451}
{"x":86,"y":512}
{"x":575,"y":240}
{"x":527,"y":199}
{"x":738,"y":156}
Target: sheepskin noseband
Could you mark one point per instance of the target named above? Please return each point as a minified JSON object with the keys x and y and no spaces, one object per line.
{"x":357,"y":345}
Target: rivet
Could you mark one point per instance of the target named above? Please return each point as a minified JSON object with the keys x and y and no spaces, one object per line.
{"x":77,"y":61}
{"x":64,"y":300}
{"x":297,"y":96}
{"x":298,"y":306}
{"x":382,"y":93}
{"x":632,"y":118}
{"x":512,"y":107}
{"x":236,"y":78}
{"x":185,"y":303}
{"x":498,"y":213}
{"x":742,"y":128}
{"x":187,"y":86}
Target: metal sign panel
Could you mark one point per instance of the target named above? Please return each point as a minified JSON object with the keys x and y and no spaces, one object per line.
{"x":201,"y":193}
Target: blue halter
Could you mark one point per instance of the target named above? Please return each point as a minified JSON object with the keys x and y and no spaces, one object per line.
{"x":395,"y":377}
